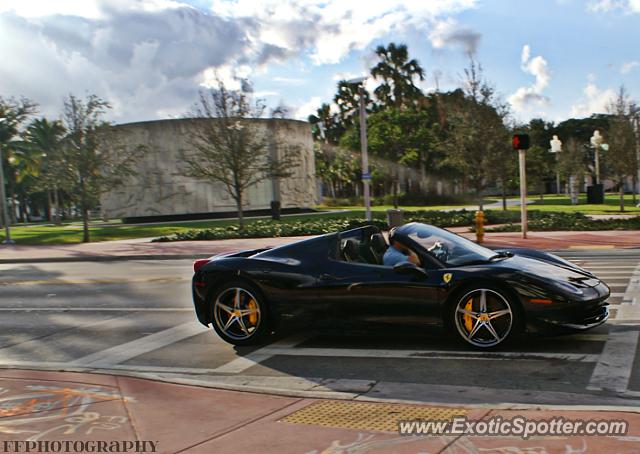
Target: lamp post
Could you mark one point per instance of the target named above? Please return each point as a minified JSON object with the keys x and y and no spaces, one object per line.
{"x":556,"y":147}
{"x":3,"y":197}
{"x":637,"y":131}
{"x":596,"y":141}
{"x":366,"y":176}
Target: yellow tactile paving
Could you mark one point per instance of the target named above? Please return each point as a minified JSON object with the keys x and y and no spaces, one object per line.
{"x":366,"y":415}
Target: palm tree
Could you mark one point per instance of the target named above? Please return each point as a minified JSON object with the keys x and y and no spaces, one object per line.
{"x":43,"y":138}
{"x":13,"y":113}
{"x":326,"y":125}
{"x":398,"y":74}
{"x":347,"y":99}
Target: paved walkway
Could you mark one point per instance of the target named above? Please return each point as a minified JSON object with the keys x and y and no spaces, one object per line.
{"x":145,"y":249}
{"x":42,"y":406}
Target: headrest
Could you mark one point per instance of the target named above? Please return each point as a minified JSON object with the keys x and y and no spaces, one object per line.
{"x":378,"y":243}
{"x":350,"y":249}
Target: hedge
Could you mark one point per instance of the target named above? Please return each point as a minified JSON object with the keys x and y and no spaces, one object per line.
{"x":508,"y":220}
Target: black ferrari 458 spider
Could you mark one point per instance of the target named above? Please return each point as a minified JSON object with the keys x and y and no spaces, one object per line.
{"x":484,"y":296}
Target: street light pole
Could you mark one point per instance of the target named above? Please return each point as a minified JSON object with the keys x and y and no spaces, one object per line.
{"x":366,"y":176}
{"x":523,"y":192}
{"x":556,"y":147}
{"x":596,"y":141}
{"x":5,"y":213}
{"x":3,"y":197}
{"x":637,"y":124}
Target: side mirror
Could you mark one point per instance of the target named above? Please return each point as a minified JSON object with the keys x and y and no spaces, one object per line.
{"x":409,"y":268}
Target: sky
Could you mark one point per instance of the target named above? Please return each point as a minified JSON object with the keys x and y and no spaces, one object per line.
{"x":551,"y":59}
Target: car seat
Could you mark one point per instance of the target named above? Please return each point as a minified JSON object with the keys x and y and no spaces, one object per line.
{"x":378,"y":247}
{"x":350,"y":251}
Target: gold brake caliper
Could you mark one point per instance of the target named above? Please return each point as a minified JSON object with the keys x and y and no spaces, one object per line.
{"x":253,"y":315}
{"x":468,"y":321}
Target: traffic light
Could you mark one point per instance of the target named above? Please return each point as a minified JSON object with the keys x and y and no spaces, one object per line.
{"x":520,"y":141}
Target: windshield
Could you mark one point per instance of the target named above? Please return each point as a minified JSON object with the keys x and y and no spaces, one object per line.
{"x":447,"y":247}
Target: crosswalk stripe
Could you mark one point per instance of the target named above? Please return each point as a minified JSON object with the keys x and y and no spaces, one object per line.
{"x":426,"y":354}
{"x":96,"y":309}
{"x":245,"y":362}
{"x":128,"y":350}
{"x":613,"y":370}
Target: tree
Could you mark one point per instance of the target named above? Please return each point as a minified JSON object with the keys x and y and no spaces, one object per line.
{"x":337,"y":167}
{"x":572,"y":164}
{"x":397,"y":138}
{"x":621,"y":156}
{"x":45,"y":138}
{"x":231,"y":147}
{"x":398,"y":73}
{"x":537,"y":169}
{"x":477,"y":139}
{"x":347,"y":98}
{"x":95,"y":160}
{"x":13,"y":112}
{"x":326,"y":126}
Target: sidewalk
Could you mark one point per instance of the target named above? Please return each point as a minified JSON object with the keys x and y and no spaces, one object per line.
{"x":62,"y":406}
{"x":145,"y":249}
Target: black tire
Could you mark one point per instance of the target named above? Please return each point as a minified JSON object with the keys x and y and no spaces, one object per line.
{"x":498,"y":324}
{"x":245,"y":329}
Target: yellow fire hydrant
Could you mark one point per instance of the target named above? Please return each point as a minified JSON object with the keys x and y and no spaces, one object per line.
{"x":480,"y":226}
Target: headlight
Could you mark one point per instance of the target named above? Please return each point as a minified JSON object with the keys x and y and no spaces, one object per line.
{"x":567,"y":287}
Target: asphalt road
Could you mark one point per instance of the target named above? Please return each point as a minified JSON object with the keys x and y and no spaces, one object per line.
{"x":136,"y":317}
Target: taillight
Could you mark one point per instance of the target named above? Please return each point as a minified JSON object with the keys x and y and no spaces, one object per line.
{"x":199,"y":264}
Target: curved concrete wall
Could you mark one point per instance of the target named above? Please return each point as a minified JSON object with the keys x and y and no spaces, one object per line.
{"x":160,"y":187}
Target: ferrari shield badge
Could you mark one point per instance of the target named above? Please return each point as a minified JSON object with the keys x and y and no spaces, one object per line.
{"x":446,"y":277}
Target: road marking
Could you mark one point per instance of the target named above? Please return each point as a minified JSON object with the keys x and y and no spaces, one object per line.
{"x":426,"y":354}
{"x":613,"y":369}
{"x":123,"y":352}
{"x":97,"y":281}
{"x":96,"y":309}
{"x":591,"y":267}
{"x":245,"y":362}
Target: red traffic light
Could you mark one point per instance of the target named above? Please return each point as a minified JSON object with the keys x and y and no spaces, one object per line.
{"x":520,"y":141}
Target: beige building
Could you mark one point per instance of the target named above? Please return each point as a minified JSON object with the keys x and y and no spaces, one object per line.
{"x":160,"y":187}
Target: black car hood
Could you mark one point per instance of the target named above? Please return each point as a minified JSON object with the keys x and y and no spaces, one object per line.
{"x":549,"y":270}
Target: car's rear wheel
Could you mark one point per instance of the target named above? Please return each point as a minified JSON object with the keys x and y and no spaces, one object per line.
{"x":240,"y":313}
{"x":485,"y":317}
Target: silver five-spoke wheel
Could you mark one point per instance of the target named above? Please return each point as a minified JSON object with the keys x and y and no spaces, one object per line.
{"x":237,"y":313}
{"x":483,"y":317}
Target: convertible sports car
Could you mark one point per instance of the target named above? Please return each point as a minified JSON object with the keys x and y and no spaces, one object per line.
{"x":484,"y":296}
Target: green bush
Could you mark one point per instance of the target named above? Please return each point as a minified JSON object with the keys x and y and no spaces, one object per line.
{"x":547,"y":221}
{"x":508,"y":222}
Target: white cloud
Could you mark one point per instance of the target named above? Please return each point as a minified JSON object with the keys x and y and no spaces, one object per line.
{"x":627,"y":67}
{"x":150,"y":57}
{"x":525,"y":98}
{"x":595,"y":100}
{"x":606,"y":6}
{"x":304,"y":110}
{"x":329,"y":29}
{"x":449,"y":33}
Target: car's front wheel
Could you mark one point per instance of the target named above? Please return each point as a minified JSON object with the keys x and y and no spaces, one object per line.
{"x":485,"y":317}
{"x":240,"y":313}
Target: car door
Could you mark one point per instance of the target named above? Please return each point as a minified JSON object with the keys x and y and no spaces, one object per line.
{"x":380,"y":294}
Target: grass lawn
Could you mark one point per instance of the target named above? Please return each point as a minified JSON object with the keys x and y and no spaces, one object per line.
{"x":72,"y":232}
{"x":554,"y":202}
{"x":384,"y":208}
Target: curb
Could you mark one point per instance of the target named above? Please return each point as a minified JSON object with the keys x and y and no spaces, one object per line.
{"x":329,"y":395}
{"x":105,"y":258}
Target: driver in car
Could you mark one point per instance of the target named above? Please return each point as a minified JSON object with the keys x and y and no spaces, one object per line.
{"x":398,"y":253}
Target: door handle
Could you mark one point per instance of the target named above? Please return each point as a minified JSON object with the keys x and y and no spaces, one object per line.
{"x":327,"y":277}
